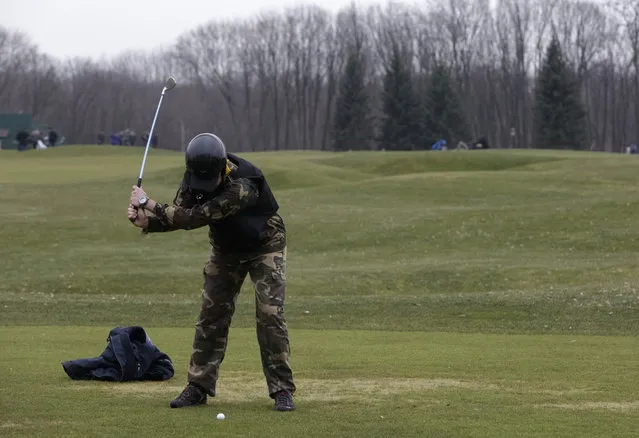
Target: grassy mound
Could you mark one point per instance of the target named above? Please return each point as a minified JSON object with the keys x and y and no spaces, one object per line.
{"x":477,"y":243}
{"x":398,"y":163}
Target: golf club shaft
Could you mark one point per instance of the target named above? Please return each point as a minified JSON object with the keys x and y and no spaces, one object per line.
{"x":148,"y":140}
{"x":148,"y":143}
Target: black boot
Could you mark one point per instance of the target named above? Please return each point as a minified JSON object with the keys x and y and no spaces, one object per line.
{"x":192,"y":395}
{"x":284,"y":401}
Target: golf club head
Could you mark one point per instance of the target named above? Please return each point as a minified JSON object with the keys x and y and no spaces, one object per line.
{"x":170,"y":83}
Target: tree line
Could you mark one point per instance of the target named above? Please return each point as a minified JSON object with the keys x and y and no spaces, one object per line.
{"x":393,"y":76}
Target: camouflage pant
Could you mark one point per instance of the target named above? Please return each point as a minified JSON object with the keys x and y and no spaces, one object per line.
{"x":223,"y":278}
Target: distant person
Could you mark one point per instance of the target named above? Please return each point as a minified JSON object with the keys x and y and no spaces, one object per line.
{"x":145,"y":137}
{"x":34,"y":138}
{"x":440,"y":145}
{"x":132,"y":137}
{"x":155,"y":140}
{"x":248,"y":237}
{"x":481,"y":143}
{"x":101,"y":137}
{"x":115,"y":139}
{"x":124,"y":137}
{"x":53,"y":137}
{"x":22,"y":138}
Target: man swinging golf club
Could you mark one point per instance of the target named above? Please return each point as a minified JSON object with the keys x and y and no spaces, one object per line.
{"x":247,"y":235}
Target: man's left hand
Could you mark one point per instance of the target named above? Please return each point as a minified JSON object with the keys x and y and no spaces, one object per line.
{"x":136,"y":194}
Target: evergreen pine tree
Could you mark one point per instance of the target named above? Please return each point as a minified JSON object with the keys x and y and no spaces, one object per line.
{"x":402,"y":127}
{"x":444,"y":117}
{"x":351,"y":120}
{"x":559,"y":115}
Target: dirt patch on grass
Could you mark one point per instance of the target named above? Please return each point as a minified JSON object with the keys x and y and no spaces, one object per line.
{"x":251,"y":387}
{"x":595,"y":406}
{"x":248,"y":387}
{"x":31,"y":424}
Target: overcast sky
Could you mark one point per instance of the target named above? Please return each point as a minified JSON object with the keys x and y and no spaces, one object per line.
{"x":92,"y":28}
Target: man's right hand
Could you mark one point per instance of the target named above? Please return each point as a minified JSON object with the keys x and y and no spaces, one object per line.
{"x":141,"y":220}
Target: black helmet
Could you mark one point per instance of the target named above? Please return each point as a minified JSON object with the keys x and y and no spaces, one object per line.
{"x":205,"y":161}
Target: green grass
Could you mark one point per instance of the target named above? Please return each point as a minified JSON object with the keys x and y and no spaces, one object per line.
{"x":477,"y":293}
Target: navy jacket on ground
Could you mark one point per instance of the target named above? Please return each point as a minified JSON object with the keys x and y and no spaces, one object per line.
{"x":130,"y":355}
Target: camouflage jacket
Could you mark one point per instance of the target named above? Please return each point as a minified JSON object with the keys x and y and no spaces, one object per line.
{"x":190,"y":211}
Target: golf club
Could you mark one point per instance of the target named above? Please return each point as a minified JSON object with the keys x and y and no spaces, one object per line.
{"x":169,"y":84}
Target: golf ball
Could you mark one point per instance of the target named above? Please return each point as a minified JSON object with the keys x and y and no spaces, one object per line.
{"x":220,"y":416}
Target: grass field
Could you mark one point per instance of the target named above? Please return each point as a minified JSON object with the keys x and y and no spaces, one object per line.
{"x":458,"y":294}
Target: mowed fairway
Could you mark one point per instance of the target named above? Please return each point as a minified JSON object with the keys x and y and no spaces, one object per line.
{"x":457,"y":294}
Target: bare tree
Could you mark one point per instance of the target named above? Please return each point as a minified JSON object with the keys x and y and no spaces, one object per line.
{"x":627,"y":12}
{"x":584,"y":29}
{"x":461,"y":26}
{"x":16,"y":59}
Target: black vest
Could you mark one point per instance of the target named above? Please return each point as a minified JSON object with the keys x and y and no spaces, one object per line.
{"x":244,"y":231}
